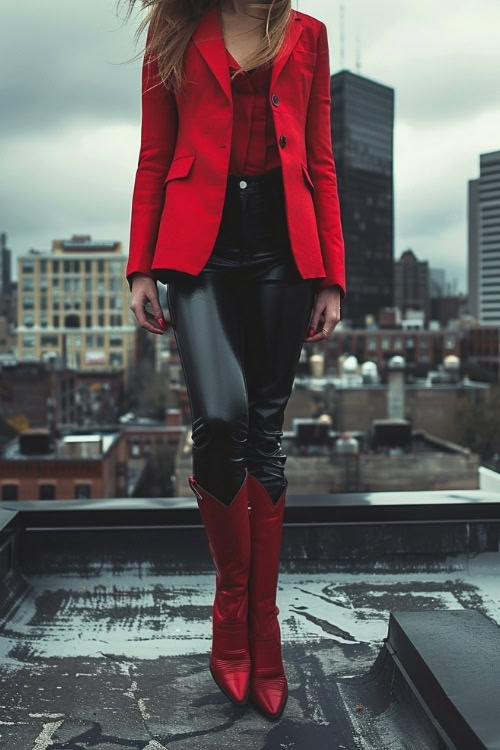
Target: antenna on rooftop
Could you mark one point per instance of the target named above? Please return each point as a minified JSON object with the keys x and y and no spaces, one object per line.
{"x":342,"y":35}
{"x":358,"y":55}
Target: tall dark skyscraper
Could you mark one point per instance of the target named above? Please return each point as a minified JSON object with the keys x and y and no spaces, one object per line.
{"x":5,"y":265}
{"x":484,"y":240}
{"x":362,"y":136}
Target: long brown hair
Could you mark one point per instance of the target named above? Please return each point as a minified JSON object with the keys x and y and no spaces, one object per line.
{"x":172,"y":22}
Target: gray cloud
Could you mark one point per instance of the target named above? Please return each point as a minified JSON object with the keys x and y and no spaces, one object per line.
{"x":69,"y":128}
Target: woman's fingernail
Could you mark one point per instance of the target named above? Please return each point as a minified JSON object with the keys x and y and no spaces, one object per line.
{"x":311,"y":333}
{"x":162,"y":323}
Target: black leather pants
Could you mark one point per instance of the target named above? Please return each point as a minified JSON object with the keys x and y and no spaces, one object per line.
{"x":239,"y":327}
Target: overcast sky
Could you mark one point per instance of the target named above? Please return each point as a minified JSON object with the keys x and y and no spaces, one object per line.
{"x":70,"y":114}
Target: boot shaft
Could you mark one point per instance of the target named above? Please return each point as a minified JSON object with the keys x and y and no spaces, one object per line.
{"x":266,"y":526}
{"x":228,"y":532}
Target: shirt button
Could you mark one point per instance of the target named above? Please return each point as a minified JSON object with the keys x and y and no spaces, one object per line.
{"x":243,"y":184}
{"x":275,"y":99}
{"x":282,"y":141}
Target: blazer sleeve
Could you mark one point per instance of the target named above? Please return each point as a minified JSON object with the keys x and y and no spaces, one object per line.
{"x":159,"y":123}
{"x":321,"y":166}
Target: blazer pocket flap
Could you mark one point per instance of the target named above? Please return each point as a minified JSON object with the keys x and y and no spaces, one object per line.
{"x":307,"y":176}
{"x":304,"y":56}
{"x":180,"y":167}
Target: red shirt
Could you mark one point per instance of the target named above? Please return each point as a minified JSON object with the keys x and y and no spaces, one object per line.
{"x":253,"y":147}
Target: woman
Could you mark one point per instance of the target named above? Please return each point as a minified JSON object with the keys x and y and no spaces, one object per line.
{"x":235,"y":206}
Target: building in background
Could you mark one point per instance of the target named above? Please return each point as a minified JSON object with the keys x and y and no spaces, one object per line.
{"x":411,"y":283}
{"x":362,"y":137}
{"x":484,"y":241}
{"x":74,"y":303}
{"x":5,"y":265}
{"x":38,"y":466}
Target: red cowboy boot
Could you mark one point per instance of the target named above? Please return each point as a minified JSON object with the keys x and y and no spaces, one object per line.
{"x":228,"y":531}
{"x":268,"y":682}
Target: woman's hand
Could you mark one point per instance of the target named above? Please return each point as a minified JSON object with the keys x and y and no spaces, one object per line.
{"x":326,"y":313}
{"x":144,"y":290}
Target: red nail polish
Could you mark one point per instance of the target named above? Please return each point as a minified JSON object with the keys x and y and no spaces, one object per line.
{"x":162,"y":323}
{"x":311,"y":333}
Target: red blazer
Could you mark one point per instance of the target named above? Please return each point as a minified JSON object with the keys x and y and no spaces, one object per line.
{"x":184,"y":154}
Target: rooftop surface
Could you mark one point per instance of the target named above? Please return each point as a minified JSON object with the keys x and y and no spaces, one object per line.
{"x":105,"y":628}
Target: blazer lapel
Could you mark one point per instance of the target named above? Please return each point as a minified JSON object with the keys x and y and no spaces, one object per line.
{"x":209,"y":40}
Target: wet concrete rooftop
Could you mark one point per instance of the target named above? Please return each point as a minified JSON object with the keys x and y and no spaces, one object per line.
{"x":105,"y":634}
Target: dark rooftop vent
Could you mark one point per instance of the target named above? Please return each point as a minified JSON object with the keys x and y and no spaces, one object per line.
{"x":390,"y":432}
{"x":35,"y":441}
{"x":312,"y":432}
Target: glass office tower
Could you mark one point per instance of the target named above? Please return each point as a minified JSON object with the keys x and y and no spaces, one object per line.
{"x":362,"y":136}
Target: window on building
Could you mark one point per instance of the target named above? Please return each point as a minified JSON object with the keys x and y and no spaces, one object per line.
{"x":115,"y":341}
{"x":55,"y":266}
{"x":116,"y":358}
{"x":48,"y":340}
{"x":88,"y":266}
{"x":82,"y":491}
{"x":10,"y":492}
{"x":115,"y":303}
{"x":55,"y":319}
{"x":28,"y":266}
{"x":72,"y":321}
{"x":47,"y":491}
{"x":28,"y":302}
{"x":28,"y":284}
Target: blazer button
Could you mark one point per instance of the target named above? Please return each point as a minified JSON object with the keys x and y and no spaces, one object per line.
{"x":282,"y":141}
{"x":275,"y":100}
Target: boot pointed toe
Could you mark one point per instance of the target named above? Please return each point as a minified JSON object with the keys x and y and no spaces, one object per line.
{"x":233,"y":681}
{"x":269,"y":694}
